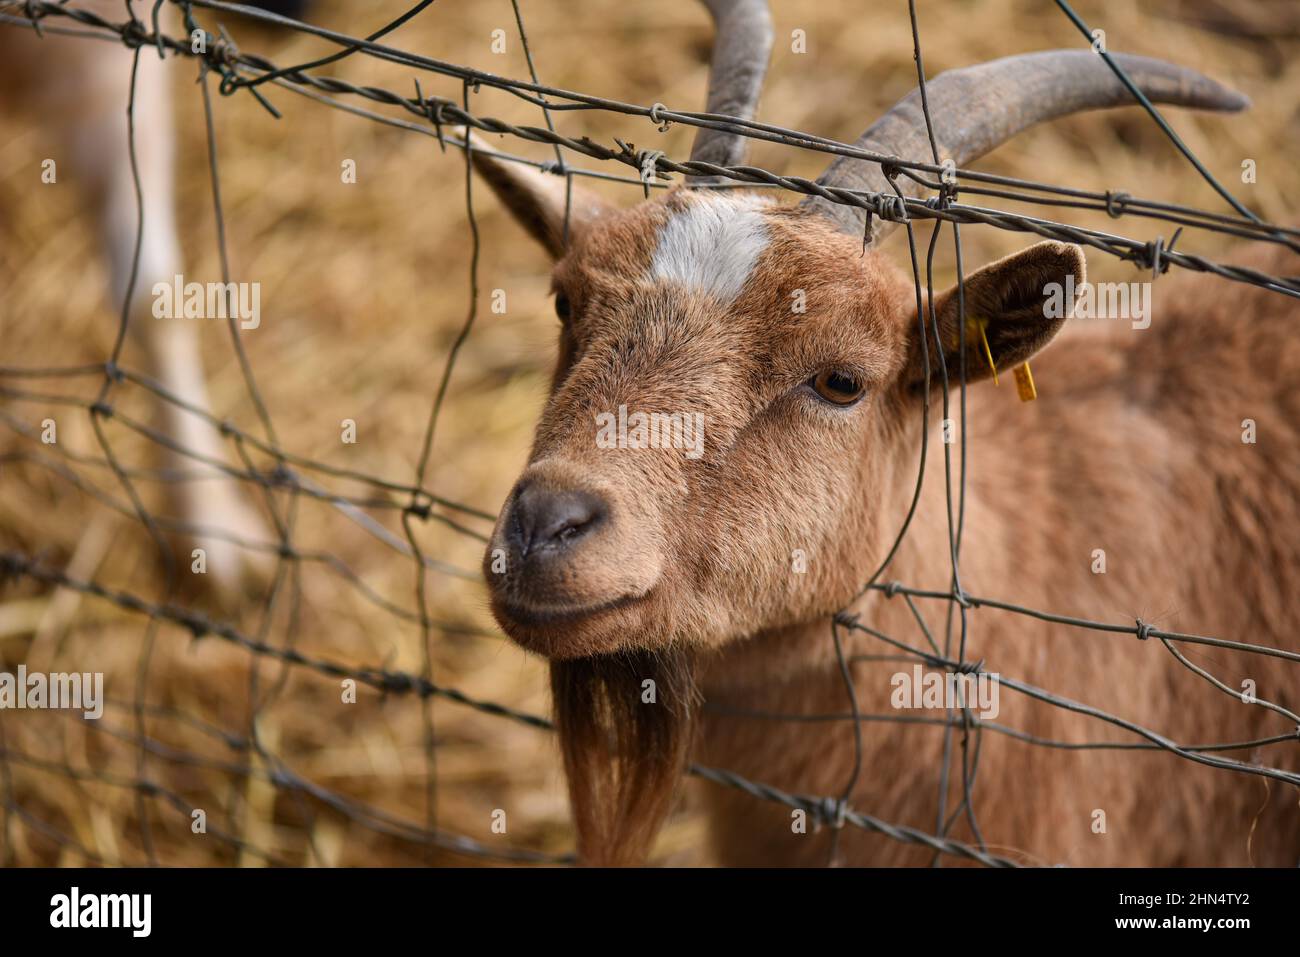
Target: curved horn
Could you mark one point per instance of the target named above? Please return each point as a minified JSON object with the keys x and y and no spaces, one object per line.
{"x":976,"y":108}
{"x":741,"y":45}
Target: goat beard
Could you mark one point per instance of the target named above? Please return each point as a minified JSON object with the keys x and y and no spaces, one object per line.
{"x":623,"y":756}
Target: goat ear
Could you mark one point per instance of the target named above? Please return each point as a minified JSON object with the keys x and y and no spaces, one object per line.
{"x":1020,"y":302}
{"x":537,"y":199}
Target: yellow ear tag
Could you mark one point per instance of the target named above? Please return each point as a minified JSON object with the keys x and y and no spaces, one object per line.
{"x":1025,"y":383}
{"x":973,"y":323}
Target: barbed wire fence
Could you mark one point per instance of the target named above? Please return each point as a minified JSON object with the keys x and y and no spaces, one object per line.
{"x":238,"y":72}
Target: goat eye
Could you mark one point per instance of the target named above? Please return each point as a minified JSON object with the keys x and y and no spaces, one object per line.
{"x":562,"y":307}
{"x":838,"y":388}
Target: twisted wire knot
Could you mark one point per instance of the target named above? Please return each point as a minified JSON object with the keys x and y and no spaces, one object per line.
{"x":645,"y":162}
{"x":648,"y":158}
{"x":892,"y":208}
{"x":35,"y":12}
{"x":1154,"y":255}
{"x":223,"y":53}
{"x":832,"y":811}
{"x":222,"y":56}
{"x":658,"y":120}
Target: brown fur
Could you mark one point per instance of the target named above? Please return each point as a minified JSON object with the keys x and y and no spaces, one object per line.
{"x":1133,"y":447}
{"x":623,"y":752}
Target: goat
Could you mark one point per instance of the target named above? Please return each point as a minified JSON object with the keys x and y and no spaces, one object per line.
{"x":80,"y":90}
{"x":629,"y":567}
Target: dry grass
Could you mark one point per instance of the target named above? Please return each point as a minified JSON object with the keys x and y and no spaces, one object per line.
{"x":364,"y":287}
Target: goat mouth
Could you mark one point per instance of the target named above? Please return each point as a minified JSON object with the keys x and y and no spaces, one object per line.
{"x":533,"y":616}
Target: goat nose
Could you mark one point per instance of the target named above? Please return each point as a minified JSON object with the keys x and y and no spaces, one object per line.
{"x":541,"y":518}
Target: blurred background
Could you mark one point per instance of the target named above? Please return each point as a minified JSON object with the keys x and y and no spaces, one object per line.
{"x":365,"y":287}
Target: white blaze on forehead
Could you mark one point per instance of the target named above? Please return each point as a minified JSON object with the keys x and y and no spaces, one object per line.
{"x":712,"y":244}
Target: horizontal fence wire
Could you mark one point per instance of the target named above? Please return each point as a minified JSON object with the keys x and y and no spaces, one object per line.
{"x":298,"y":478}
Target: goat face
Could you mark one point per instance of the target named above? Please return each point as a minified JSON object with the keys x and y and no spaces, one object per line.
{"x":728,"y":413}
{"x":799,"y":354}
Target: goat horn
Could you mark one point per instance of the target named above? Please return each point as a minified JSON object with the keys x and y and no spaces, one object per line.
{"x":741,"y":45}
{"x":976,"y":108}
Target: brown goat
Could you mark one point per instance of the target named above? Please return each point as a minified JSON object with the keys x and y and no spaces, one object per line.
{"x":715,"y":571}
